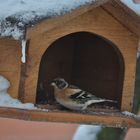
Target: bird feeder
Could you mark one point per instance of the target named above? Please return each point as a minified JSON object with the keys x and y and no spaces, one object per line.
{"x":93,"y":47}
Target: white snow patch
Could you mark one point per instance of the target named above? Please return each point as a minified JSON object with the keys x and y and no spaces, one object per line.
{"x":134,"y":6}
{"x":87,"y":132}
{"x":129,"y":114}
{"x":4,"y":84}
{"x":7,"y":101}
{"x":13,"y":31}
{"x":23,"y":45}
{"x":15,"y":15}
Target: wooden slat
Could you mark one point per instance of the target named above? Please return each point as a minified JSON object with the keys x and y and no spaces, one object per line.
{"x":116,"y":120}
{"x":123,"y":14}
{"x":10,"y":62}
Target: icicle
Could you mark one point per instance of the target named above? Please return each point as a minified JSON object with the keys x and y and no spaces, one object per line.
{"x":23,"y":45}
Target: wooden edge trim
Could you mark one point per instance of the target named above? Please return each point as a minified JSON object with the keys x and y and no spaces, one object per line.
{"x":21,"y":90}
{"x":98,"y":118}
{"x":124,"y":15}
{"x":22,"y":83}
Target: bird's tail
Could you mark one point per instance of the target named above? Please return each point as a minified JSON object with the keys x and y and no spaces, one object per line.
{"x":113,"y":101}
{"x":99,"y":101}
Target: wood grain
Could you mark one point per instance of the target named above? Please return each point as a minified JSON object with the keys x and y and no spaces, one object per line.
{"x":10,"y":62}
{"x":124,"y":15}
{"x":115,"y":120}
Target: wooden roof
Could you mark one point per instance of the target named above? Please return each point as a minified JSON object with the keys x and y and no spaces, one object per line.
{"x":14,"y":23}
{"x":124,"y":15}
{"x":46,"y":23}
{"x":116,"y":8}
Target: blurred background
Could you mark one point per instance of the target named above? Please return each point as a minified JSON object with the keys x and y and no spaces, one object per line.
{"x":23,"y":130}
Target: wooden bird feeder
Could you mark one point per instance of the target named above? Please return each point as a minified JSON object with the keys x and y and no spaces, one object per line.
{"x":93,"y":47}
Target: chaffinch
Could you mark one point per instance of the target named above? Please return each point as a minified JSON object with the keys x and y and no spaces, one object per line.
{"x":73,"y":97}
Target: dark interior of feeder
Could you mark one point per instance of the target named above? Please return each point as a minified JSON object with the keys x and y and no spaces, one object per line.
{"x":86,"y":60}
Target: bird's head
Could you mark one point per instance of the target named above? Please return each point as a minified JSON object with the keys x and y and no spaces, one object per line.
{"x":59,"y":83}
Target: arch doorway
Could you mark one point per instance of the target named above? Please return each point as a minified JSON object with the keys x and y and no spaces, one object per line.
{"x":86,"y":60}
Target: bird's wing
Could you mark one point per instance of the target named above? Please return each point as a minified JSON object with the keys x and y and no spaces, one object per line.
{"x":73,"y":87}
{"x":83,"y":97}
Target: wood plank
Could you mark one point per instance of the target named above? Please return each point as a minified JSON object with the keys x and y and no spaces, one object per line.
{"x":124,"y":15}
{"x":10,"y":61}
{"x":110,"y":119}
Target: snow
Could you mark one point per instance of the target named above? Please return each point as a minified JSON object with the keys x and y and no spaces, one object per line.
{"x":4,"y":84}
{"x":87,"y":132}
{"x":7,"y":101}
{"x":129,"y":114}
{"x":134,"y":6}
{"x":23,"y":45}
{"x":15,"y":15}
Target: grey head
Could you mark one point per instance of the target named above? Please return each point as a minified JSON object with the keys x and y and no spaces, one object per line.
{"x":59,"y":83}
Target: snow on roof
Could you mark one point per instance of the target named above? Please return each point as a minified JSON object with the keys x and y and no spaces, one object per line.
{"x":134,"y":6}
{"x":15,"y":15}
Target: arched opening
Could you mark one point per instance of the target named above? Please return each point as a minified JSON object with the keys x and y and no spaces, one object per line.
{"x":86,"y":60}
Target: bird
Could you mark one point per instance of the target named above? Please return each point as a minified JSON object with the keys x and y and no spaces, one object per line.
{"x":73,"y":97}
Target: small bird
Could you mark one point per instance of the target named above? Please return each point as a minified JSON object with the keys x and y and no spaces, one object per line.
{"x":73,"y":97}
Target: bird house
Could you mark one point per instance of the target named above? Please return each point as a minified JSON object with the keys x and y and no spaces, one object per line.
{"x":93,"y":47}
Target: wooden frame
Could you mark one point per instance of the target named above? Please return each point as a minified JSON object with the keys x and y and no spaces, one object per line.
{"x":114,"y":120}
{"x":75,"y":57}
{"x":118,"y":34}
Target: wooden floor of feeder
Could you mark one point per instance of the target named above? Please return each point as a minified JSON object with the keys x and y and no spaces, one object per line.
{"x":108,"y":119}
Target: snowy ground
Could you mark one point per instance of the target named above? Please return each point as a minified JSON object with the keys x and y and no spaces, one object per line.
{"x":7,"y":101}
